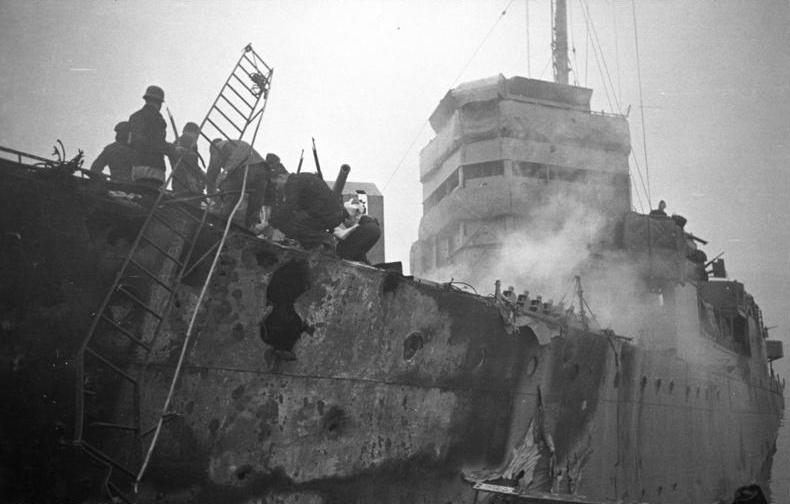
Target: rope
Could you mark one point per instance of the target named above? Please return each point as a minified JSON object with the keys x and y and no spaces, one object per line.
{"x":191,"y":326}
{"x":529,"y":62}
{"x":641,"y":102}
{"x":600,"y":60}
{"x":460,"y":74}
{"x":616,"y":52}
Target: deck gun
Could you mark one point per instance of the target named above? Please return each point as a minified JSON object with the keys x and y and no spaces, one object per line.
{"x":317,"y":164}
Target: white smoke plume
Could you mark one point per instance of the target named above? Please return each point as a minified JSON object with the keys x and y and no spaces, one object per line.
{"x":560,"y":239}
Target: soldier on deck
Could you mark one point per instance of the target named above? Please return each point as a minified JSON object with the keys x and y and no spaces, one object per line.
{"x":147,"y":140}
{"x":309,"y":209}
{"x":226,"y":173}
{"x":660,"y":211}
{"x":187,"y":175}
{"x":117,"y":155}
{"x":358,"y":233}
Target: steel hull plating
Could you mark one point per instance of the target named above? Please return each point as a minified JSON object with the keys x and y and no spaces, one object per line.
{"x":401,"y":391}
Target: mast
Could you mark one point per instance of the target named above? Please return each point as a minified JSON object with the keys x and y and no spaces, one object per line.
{"x":559,"y":44}
{"x":580,"y":293}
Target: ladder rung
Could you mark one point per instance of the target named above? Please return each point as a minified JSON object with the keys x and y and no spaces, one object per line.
{"x":125,"y":332}
{"x":208,"y":139}
{"x":240,"y":97}
{"x":242,"y":114}
{"x":251,"y":62}
{"x":109,"y":425}
{"x":218,"y":128}
{"x":227,"y":118}
{"x":140,"y":302}
{"x":150,"y":275}
{"x":161,"y":250}
{"x":111,"y":365}
{"x":187,"y":213}
{"x":105,"y":458}
{"x":170,"y":227}
{"x":244,"y":84}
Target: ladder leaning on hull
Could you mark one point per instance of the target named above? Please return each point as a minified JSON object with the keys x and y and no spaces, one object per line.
{"x":125,"y":328}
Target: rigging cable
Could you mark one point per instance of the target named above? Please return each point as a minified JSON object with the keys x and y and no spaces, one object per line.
{"x":460,"y":74}
{"x":616,"y":53}
{"x":639,"y":172}
{"x":529,"y":62}
{"x":603,"y":68}
{"x":641,"y":102}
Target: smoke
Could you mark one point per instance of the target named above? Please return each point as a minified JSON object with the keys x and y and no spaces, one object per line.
{"x":570,"y":231}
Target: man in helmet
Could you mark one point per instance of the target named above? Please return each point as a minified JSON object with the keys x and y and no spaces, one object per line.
{"x":147,"y":129}
{"x":187,"y":175}
{"x":117,"y":155}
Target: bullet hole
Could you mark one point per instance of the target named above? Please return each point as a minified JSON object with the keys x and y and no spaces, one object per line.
{"x":334,"y":422}
{"x":532,"y":365}
{"x":412,"y":344}
{"x":391,"y":282}
{"x":671,"y":386}
{"x":213,"y":426}
{"x":266,"y":259}
{"x":243,"y":471}
{"x":237,"y":393}
{"x":688,"y":391}
{"x":283,"y":326}
{"x":190,"y":407}
{"x":574,"y":373}
{"x":643,"y":383}
{"x":528,"y":334}
{"x":238,"y":331}
{"x":660,"y":489}
{"x":475,"y":358}
{"x":674,"y":486}
{"x":697,"y":391}
{"x":616,"y":381}
{"x":658,"y":385}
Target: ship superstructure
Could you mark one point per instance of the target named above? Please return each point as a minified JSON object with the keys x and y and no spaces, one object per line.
{"x":505,"y":149}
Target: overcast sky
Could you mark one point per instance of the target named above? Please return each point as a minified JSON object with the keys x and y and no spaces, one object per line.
{"x":363,"y":77}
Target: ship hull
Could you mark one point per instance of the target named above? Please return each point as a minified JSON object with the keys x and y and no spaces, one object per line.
{"x":400,"y":390}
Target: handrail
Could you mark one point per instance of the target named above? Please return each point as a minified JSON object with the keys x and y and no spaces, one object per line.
{"x":21,"y":154}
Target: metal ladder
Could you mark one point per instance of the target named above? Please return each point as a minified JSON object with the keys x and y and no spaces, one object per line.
{"x":241,"y":99}
{"x":124,"y":329}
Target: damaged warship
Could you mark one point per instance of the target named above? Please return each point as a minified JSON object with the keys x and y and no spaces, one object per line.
{"x":141,"y":334}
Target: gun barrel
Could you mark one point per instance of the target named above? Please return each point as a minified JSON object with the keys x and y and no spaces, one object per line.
{"x":340,"y":181}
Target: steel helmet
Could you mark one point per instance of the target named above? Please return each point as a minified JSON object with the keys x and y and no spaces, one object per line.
{"x":154,"y":93}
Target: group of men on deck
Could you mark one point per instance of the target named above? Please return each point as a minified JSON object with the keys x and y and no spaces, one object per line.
{"x":299,"y":205}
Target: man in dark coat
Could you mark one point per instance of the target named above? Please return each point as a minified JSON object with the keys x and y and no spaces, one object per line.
{"x":225,"y":173}
{"x":187,"y":175}
{"x":660,"y":211}
{"x":309,"y":210}
{"x":117,"y":155}
{"x":147,"y":139}
{"x":358,"y":233}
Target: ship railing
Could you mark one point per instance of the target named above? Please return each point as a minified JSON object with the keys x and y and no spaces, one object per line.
{"x":22,"y":157}
{"x":27,"y":159}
